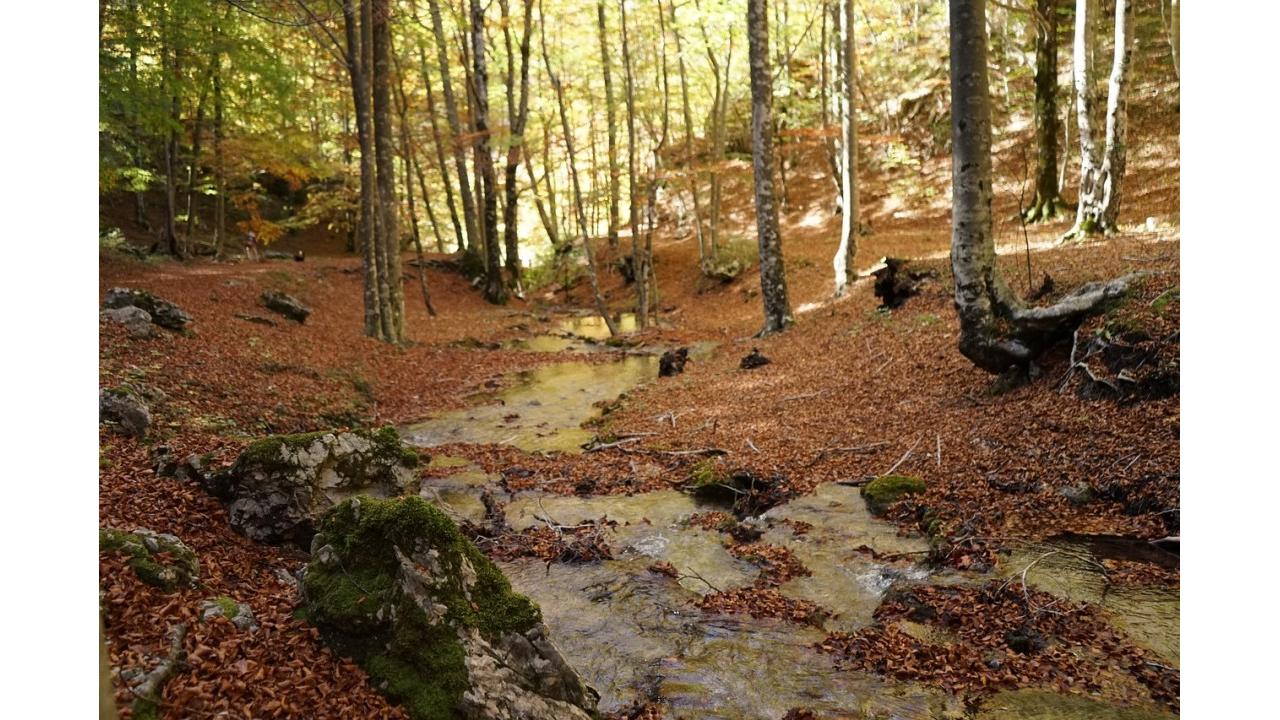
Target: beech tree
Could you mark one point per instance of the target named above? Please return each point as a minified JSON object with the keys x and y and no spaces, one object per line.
{"x":1101,"y":168}
{"x":845,"y":271}
{"x":998,"y":332}
{"x":1046,"y":202}
{"x":773,"y":280}
{"x":611,"y":116}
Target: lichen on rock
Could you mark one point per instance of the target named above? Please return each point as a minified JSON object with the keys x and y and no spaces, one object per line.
{"x":394,"y":585}
{"x":280,"y":486}
{"x":159,"y":559}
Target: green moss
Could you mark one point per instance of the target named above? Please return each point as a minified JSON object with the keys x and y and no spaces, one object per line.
{"x":229,"y":607}
{"x":413,"y":659}
{"x":706,"y":473}
{"x":180,"y":571}
{"x":888,"y":489}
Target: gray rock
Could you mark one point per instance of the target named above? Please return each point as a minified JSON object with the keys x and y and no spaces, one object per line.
{"x":134,"y":319}
{"x":1078,"y":494}
{"x":162,"y":312}
{"x":240,"y":614}
{"x":280,"y":486}
{"x":286,"y":305}
{"x":125,"y":409}
{"x":442,"y":617}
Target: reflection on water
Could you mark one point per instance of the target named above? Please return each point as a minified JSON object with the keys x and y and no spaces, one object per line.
{"x":542,"y":411}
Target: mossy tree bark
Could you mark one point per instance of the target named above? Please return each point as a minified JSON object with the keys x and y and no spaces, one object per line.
{"x":1045,"y":205}
{"x":773,"y":281}
{"x":997,"y":331}
{"x":843,"y":263}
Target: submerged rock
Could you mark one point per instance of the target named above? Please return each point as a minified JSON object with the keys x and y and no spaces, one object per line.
{"x":124,"y":409}
{"x":286,"y":305}
{"x":395,"y":585}
{"x":177,"y":569}
{"x":888,"y":489}
{"x":134,"y":319}
{"x":280,"y":486}
{"x":162,"y":312}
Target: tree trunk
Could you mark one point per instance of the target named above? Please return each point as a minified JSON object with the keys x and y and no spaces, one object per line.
{"x":638,"y":265}
{"x":495,"y":291}
{"x":518,"y":114}
{"x":997,"y":332}
{"x":573,"y":176}
{"x":455,"y":126}
{"x":135,"y":132}
{"x":385,"y":147}
{"x":719,"y":109}
{"x":690,"y":160}
{"x":219,"y":163}
{"x":368,"y":205}
{"x":1045,"y":205}
{"x":407,"y":162}
{"x":1101,"y":171}
{"x":773,"y":281}
{"x":846,"y":272}
{"x":439,"y":148}
{"x":611,"y":114}
{"x":171,"y":158}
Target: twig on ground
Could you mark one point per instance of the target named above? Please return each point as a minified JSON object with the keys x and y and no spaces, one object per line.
{"x":904,"y":457}
{"x":752,"y":446}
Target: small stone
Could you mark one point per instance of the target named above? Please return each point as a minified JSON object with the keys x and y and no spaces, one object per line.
{"x":1078,"y":494}
{"x":286,"y":305}
{"x":240,"y":614}
{"x":134,"y":319}
{"x":754,"y":360}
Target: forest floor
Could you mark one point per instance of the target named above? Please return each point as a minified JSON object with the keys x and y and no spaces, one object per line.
{"x":852,"y":391}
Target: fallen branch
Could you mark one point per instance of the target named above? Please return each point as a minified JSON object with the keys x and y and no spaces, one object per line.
{"x":151,"y":687}
{"x":904,"y":457}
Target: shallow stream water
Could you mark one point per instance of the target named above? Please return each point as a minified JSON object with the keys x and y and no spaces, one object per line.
{"x":635,"y":634}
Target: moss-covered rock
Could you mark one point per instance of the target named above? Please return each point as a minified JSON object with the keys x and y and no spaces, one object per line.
{"x":160,"y":560}
{"x":280,"y":486}
{"x":240,"y":614}
{"x":125,"y":410}
{"x":162,"y":312}
{"x":888,"y":489}
{"x":394,"y":585}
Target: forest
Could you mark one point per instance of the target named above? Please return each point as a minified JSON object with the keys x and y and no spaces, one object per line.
{"x":639,"y":359}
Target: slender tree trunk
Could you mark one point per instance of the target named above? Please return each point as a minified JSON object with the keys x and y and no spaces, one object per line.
{"x":719,"y":110}
{"x":193,"y":167}
{"x":135,"y":131}
{"x":455,"y":126}
{"x":368,"y":205}
{"x":846,"y":272}
{"x":690,"y":160}
{"x":171,"y":157}
{"x":826,"y":68}
{"x":219,"y":163}
{"x":1045,"y":205}
{"x":439,"y":148}
{"x":773,"y":281}
{"x":997,"y":332}
{"x":611,"y":114}
{"x":407,"y":162}
{"x":638,"y":265}
{"x":573,"y":176}
{"x":518,"y":115}
{"x":495,"y":290}
{"x":385,"y":147}
{"x":1101,"y":170}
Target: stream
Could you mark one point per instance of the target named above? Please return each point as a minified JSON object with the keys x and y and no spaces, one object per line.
{"x":635,"y":634}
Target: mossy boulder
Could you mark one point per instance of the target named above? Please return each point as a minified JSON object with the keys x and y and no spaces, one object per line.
{"x":162,"y":312}
{"x":394,"y":585}
{"x":286,"y":305}
{"x":280,"y":486}
{"x":238,"y":613}
{"x":888,"y":489}
{"x":159,"y":559}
